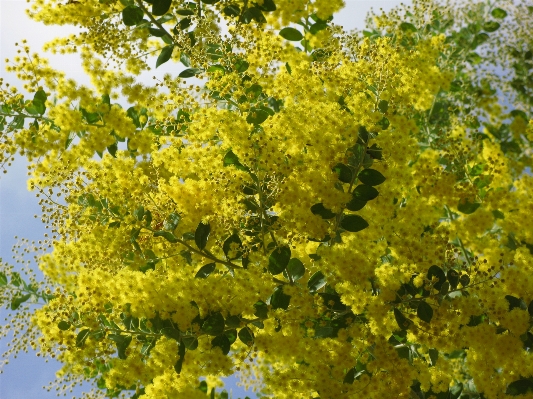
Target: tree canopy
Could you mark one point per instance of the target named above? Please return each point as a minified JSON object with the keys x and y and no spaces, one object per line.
{"x":325,"y":214}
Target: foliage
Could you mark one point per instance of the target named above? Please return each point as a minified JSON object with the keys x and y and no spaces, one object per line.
{"x":325,"y":214}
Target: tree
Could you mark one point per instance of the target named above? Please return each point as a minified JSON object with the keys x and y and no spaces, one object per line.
{"x":326,"y":214}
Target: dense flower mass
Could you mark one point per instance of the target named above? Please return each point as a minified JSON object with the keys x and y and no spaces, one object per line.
{"x":324,"y":214}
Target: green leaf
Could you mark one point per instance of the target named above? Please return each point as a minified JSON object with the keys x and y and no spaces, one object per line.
{"x":291,"y":34}
{"x":261,"y":310}
{"x":464,"y":280}
{"x":160,"y":7}
{"x":355,"y":204}
{"x":320,"y":210}
{"x":171,"y":221}
{"x":38,"y":102}
{"x":364,"y":192}
{"x":515,"y":303}
{"x":122,"y":342}
{"x":190,"y":343}
{"x":167,"y":235}
{"x":232,"y":10}
{"x":246,"y":336}
{"x":19,"y":300}
{"x":203,"y":387}
{"x":164,"y":55}
{"x":453,"y":278}
{"x":383,"y":106}
{"x":268,"y":6}
{"x":181,"y":357}
{"x":498,"y":13}
{"x":403,"y":322}
{"x":241,"y":66}
{"x":231,"y":159}
{"x":408,"y":27}
{"x":498,"y":214}
{"x":16,"y":280}
{"x":530,"y":308}
{"x":491,"y":26}
{"x":183,"y":24}
{"x":231,"y":334}
{"x":288,"y":68}
{"x":344,"y":172}
{"x":189,"y":73}
{"x":157,"y":32}
{"x":253,"y":13}
{"x":40,"y":95}
{"x":3,"y":278}
{"x":424,"y":311}
{"x":317,"y":281}
{"x":280,"y":300}
{"x":433,"y":356}
{"x":295,"y":269}
{"x":185,"y":60}
{"x":216,"y":68}
{"x":371,"y":177}
{"x":63,"y":325}
{"x":445,"y":288}
{"x":257,"y":116}
{"x":214,"y":324}
{"x":520,"y":387}
{"x":353,"y":223}
{"x":467,"y":207}
{"x":479,"y":39}
{"x":375,"y":152}
{"x":230,"y":242}
{"x":206,"y":270}
{"x":222,"y":342}
{"x":132,"y":15}
{"x":185,"y":12}
{"x":435,"y":271}
{"x":349,"y":377}
{"x":82,"y":337}
{"x":201,"y":235}
{"x":317,"y":27}
{"x":139,"y":213}
{"x":279,"y":259}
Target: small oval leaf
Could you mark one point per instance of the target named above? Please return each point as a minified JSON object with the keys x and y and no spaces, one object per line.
{"x":160,"y":7}
{"x":230,"y":244}
{"x":214,"y":324}
{"x":132,"y":15}
{"x":435,"y":271}
{"x":319,"y":209}
{"x":344,"y":172}
{"x":201,"y":235}
{"x":424,"y":311}
{"x":296,"y":269}
{"x":63,"y":325}
{"x":279,"y":259}
{"x":222,"y":342}
{"x":499,"y":13}
{"x":164,"y":55}
{"x":371,"y":177}
{"x":353,"y":223}
{"x":246,"y":336}
{"x":364,"y":192}
{"x":206,"y":270}
{"x":189,"y":73}
{"x":317,"y":281}
{"x":82,"y":337}
{"x":291,"y":34}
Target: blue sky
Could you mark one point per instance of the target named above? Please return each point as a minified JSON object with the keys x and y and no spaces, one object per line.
{"x":25,"y":376}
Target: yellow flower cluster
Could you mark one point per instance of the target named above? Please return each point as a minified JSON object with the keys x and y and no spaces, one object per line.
{"x":322,"y":213}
